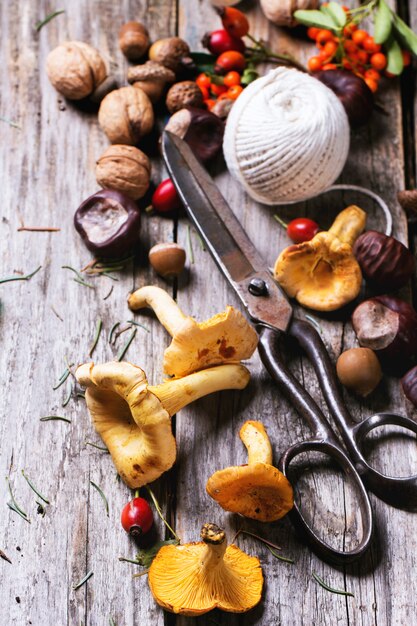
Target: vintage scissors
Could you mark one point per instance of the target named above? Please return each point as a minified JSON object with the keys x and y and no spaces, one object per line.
{"x":271,"y":313}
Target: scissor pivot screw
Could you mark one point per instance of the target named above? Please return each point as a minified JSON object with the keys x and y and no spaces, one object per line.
{"x":258,"y":287}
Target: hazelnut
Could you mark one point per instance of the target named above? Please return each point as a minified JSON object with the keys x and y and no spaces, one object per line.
{"x":358,"y":369}
{"x":151,"y":77}
{"x":133,"y":40}
{"x":169,"y":52}
{"x":126,"y":115}
{"x":183,"y":94}
{"x":201,"y":129}
{"x":167,"y":259}
{"x":75,"y":69}
{"x":124,"y":168}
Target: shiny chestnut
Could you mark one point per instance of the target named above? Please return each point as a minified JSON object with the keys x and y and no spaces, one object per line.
{"x":385,"y":262}
{"x":108,"y":222}
{"x":409,"y":385}
{"x":352,"y":91}
{"x":388,"y":326}
{"x":201,"y":129}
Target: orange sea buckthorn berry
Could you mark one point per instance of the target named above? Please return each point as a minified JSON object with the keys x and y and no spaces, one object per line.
{"x":378,"y":61}
{"x":406,"y":57}
{"x":234,"y":92}
{"x":346,"y":64}
{"x":223,"y":96}
{"x":209,"y":103}
{"x":217,"y":90}
{"x":323,"y":36}
{"x":314,"y":64}
{"x":312,"y":32}
{"x":359,"y":36}
{"x":231,"y":78}
{"x":349,"y":29}
{"x":350,"y":46}
{"x":345,"y":8}
{"x":330,"y":48}
{"x":362,"y":57}
{"x":329,"y":66}
{"x":203,"y":80}
{"x":372,"y":84}
{"x":372,"y":74}
{"x":205,"y":92}
{"x":370,"y":46}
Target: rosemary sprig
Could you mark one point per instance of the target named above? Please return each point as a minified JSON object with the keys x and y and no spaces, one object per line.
{"x":32,"y":486}
{"x":112,"y":329}
{"x":109,"y":293}
{"x":126,"y":346}
{"x":10,"y":279}
{"x":200,"y":241}
{"x":47,"y":19}
{"x":63,"y":377}
{"x":190,"y":245}
{"x":95,"y":445}
{"x":80,"y":280}
{"x":321,"y":582}
{"x":99,"y":328}
{"x":38,"y":229}
{"x":125,"y":560}
{"x":111,"y":621}
{"x":140,"y":574}
{"x":106,"y":504}
{"x":272,"y":547}
{"x":68,"y":396}
{"x":13,"y":504}
{"x":83,"y":581}
{"x":279,"y":556}
{"x":10,"y":122}
{"x":161,"y":515}
{"x":48,"y":418}
{"x":137,"y":324}
{"x":4,"y":556}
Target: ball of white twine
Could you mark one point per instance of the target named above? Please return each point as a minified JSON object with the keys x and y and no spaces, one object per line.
{"x":286,"y":138}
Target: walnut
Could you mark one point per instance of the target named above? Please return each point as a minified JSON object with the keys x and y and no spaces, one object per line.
{"x":183,"y":94}
{"x":126,"y":115}
{"x":133,"y":40}
{"x":75,"y":69}
{"x":124,"y":168}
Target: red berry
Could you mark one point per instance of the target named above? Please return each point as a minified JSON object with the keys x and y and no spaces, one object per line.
{"x":314,"y":64}
{"x":406,"y":57}
{"x":137,"y":517}
{"x":370,"y":46}
{"x":221,"y":41}
{"x":229,"y":61}
{"x":234,"y":21}
{"x":302,"y":229}
{"x":203,"y":80}
{"x":323,"y":36}
{"x":232,"y":78}
{"x":217,"y":90}
{"x":312,"y":32}
{"x":165,"y":197}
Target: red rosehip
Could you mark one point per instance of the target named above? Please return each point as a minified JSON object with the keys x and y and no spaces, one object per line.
{"x":220,"y":41}
{"x":137,"y":517}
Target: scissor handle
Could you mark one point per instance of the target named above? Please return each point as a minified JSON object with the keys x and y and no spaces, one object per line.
{"x":397,"y":491}
{"x":323,"y":440}
{"x":318,"y":544}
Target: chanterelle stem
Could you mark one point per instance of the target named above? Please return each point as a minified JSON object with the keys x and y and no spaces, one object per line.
{"x":349,"y":224}
{"x":166,"y":309}
{"x":216,"y":544}
{"x":256,"y":441}
{"x":177,"y":393}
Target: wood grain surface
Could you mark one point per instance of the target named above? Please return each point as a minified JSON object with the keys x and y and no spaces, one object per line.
{"x":47,"y":161}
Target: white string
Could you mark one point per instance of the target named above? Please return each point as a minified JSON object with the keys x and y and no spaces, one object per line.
{"x":367,"y":192}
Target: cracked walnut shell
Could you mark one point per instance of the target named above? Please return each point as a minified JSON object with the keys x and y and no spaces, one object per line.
{"x":126,"y":115}
{"x":75,"y":69}
{"x":124,"y":168}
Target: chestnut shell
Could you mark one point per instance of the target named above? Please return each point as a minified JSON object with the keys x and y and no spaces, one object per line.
{"x":385,"y":262}
{"x":409,"y":385}
{"x":121,"y":240}
{"x":352,"y":91}
{"x":393,"y":326}
{"x":201,"y":129}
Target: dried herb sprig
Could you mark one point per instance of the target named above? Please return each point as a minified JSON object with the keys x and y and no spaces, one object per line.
{"x":109,"y":293}
{"x":272,"y":547}
{"x":106,"y":503}
{"x":125,"y":560}
{"x":47,"y":19}
{"x":161,"y":515}
{"x":111,"y":621}
{"x":38,"y":229}
{"x":127,"y":345}
{"x":10,"y":279}
{"x":13,"y":504}
{"x":10,"y":122}
{"x":80,"y":280}
{"x":48,"y":418}
{"x":83,"y":580}
{"x":4,"y":556}
{"x":99,"y":327}
{"x":95,"y":445}
{"x":321,"y":582}
{"x":137,"y":324}
{"x":63,"y":377}
{"x":32,"y":486}
{"x":68,"y":396}
{"x":112,"y":329}
{"x":190,"y":245}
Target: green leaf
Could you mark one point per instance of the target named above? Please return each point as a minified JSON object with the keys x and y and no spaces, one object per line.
{"x":383,"y":22}
{"x":146,"y":556}
{"x":336,"y":12}
{"x":395,"y":63}
{"x":204,"y":62}
{"x":316,"y":18}
{"x":407,"y":37}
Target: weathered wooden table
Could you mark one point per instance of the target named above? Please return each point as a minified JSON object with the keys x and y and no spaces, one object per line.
{"x":47,"y":168}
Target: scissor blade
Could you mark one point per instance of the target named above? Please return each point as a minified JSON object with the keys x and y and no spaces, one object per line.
{"x":225,"y":238}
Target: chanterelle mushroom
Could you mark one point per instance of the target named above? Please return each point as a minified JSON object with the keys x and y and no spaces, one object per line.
{"x":194,"y":578}
{"x":225,"y":338}
{"x":257,"y":490}
{"x":322,"y":274}
{"x":133,"y":418}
